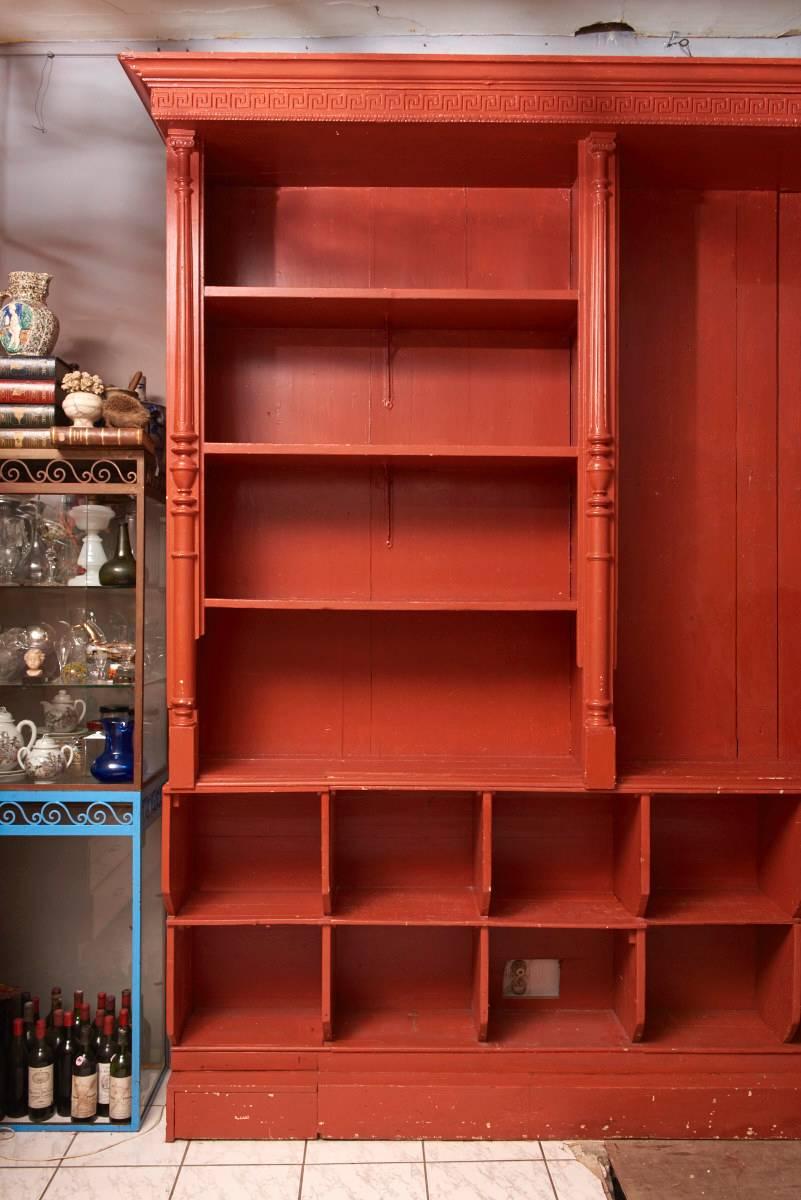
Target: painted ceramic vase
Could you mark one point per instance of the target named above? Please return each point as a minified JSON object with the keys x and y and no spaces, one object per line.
{"x":27,"y":326}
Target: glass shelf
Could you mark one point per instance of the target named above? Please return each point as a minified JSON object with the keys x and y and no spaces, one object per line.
{"x":103,"y":683}
{"x":66,"y":587}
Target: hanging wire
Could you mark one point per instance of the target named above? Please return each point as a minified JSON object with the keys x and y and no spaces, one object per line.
{"x":41,"y":92}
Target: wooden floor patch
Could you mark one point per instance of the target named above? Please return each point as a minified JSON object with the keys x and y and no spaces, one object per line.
{"x":706,"y":1170}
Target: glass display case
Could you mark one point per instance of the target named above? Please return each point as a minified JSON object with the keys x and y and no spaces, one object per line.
{"x":83,"y":738}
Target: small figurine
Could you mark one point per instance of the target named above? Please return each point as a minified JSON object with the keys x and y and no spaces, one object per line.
{"x":34,"y":661}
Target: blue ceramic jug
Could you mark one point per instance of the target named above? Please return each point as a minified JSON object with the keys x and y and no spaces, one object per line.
{"x":115,"y":763}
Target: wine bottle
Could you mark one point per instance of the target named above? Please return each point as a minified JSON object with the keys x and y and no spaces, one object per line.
{"x":64,"y":1068}
{"x":105,"y":1053}
{"x":83,"y":1103}
{"x":28,"y":1022}
{"x":17,"y":1098}
{"x":56,"y":1002}
{"x":125,"y":1002}
{"x":55,"y":1034}
{"x":77,"y":1001}
{"x":35,"y":1001}
{"x":40,"y":1077}
{"x":101,"y":1002}
{"x":111,"y":1007}
{"x":82,"y":1017}
{"x":120,"y":1072}
{"x":97,"y":1029}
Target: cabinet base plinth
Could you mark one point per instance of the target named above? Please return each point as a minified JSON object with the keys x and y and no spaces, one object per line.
{"x":330,"y":1102}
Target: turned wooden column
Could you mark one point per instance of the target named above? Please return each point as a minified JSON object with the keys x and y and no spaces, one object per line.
{"x":183,"y":421}
{"x":596,"y":332}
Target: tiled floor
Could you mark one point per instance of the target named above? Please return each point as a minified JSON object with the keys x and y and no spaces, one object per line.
{"x":142,"y":1166}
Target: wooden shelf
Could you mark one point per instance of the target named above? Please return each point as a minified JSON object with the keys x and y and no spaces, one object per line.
{"x":251,"y":1029}
{"x":564,"y":910}
{"x":403,"y":308}
{"x":293,"y":605}
{"x":715,"y":1029}
{"x":558,"y":1028}
{"x":390,"y":906}
{"x":248,"y":907}
{"x":714,"y":777}
{"x":736,"y":906}
{"x":429,"y":453}
{"x":311,"y":774}
{"x":388,"y":1029}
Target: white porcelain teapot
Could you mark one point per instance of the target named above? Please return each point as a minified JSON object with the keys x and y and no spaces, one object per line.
{"x":63,"y":713}
{"x":44,"y":760}
{"x":12,"y":740}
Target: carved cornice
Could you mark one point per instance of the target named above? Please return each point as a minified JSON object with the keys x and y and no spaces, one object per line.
{"x":456,"y":89}
{"x":549,"y":106}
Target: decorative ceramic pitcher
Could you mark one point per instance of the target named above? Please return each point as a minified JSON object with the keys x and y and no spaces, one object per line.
{"x":63,"y":713}
{"x":45,"y":761}
{"x":11,"y":739}
{"x":27,"y":326}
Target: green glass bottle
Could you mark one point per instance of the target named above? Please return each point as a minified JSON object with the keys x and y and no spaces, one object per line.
{"x":120,"y":571}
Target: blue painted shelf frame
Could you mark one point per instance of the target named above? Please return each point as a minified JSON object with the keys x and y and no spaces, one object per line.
{"x":118,"y":814}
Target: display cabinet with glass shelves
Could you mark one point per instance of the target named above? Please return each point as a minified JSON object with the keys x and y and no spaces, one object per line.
{"x":83,"y":735}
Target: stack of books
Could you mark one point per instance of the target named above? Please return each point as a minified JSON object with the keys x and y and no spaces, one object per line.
{"x":30,"y":400}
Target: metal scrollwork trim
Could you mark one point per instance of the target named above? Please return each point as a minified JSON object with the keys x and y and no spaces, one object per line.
{"x":50,"y":813}
{"x":58,"y":470}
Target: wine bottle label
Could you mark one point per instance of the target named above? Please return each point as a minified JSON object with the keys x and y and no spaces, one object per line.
{"x":40,"y":1087}
{"x":84,"y":1096}
{"x":103,"y":1076}
{"x":119,"y":1096}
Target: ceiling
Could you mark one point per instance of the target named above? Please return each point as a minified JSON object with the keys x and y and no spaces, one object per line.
{"x":184,"y":20}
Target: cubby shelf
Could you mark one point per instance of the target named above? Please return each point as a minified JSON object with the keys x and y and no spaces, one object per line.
{"x":733,"y":906}
{"x":404,"y":308}
{"x":387,"y":1029}
{"x":240,"y":1028}
{"x":585,"y":1029}
{"x":565,"y":909}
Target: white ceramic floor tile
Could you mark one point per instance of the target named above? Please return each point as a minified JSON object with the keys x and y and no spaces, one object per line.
{"x":121,"y":1183}
{"x":321,"y":1151}
{"x":237,"y":1183}
{"x":364,"y":1181}
{"x":34,"y":1148}
{"x":481,"y":1151}
{"x":244,"y":1153}
{"x":557,"y":1150}
{"x":24,"y":1183}
{"x":489,"y":1181}
{"x":144,"y":1149}
{"x":574,"y":1181}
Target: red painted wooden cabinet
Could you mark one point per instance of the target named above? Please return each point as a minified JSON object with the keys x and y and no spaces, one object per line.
{"x":484,"y":393}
